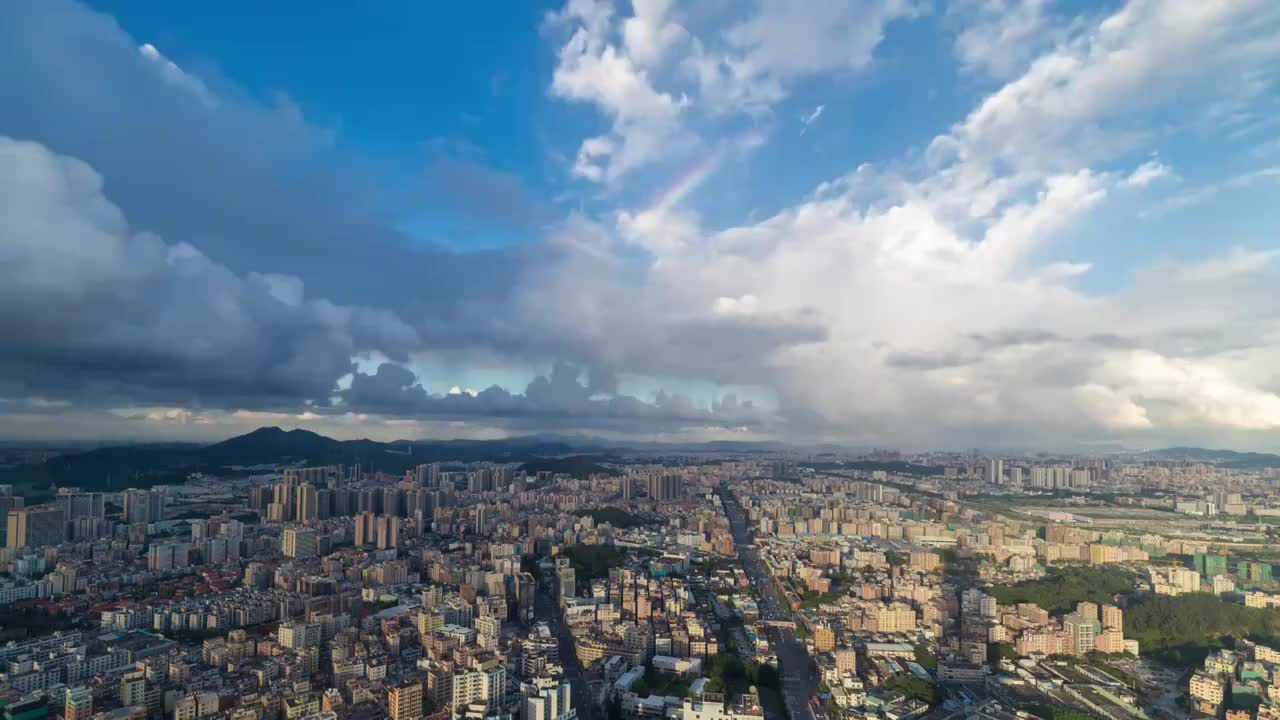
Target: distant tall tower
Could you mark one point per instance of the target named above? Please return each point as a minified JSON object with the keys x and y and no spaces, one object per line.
{"x":665,"y":486}
{"x":364,"y":529}
{"x":36,"y":526}
{"x":388,"y":531}
{"x":995,"y":471}
{"x":427,"y":475}
{"x":626,"y":488}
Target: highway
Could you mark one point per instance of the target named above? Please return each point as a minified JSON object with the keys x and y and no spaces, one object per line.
{"x":799,"y":678}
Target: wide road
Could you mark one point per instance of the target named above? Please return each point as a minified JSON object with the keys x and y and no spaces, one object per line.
{"x":799,"y":677}
{"x":544,"y":608}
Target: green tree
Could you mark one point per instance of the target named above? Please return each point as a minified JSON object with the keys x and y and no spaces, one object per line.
{"x":915,"y":688}
{"x":1063,"y":588}
{"x":926,"y":658}
{"x":1182,"y":630}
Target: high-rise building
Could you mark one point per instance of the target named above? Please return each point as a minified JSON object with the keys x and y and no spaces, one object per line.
{"x":167,"y":556}
{"x":299,"y":543}
{"x":326,"y":476}
{"x":36,"y":526}
{"x":1088,"y":610}
{"x":79,"y":704}
{"x":404,"y":700}
{"x":480,"y":480}
{"x":568,"y":582}
{"x":1015,"y":476}
{"x":308,"y":503}
{"x":299,"y":635}
{"x":824,"y":638}
{"x":143,"y":506}
{"x":76,"y":505}
{"x":391,"y":504}
{"x":1112,"y":618}
{"x":551,"y":703}
{"x":783,"y":470}
{"x":1082,"y":631}
{"x":487,"y":631}
{"x":1254,"y":572}
{"x":626,"y":487}
{"x":7,"y":503}
{"x":1209,"y":565}
{"x":847,"y":660}
{"x":427,"y":475}
{"x":665,"y":486}
{"x":364,"y":529}
{"x":388,"y":529}
{"x":133,"y":689}
{"x":995,"y":470}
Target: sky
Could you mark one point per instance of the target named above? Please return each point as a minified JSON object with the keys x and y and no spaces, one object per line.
{"x":892,"y":223}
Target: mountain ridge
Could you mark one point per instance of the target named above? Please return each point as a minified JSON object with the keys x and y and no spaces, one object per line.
{"x":143,"y":465}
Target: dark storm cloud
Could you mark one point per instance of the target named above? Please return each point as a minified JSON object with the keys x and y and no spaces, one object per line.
{"x":100,"y":314}
{"x":93,"y":311}
{"x":254,"y":187}
{"x":560,"y":395}
{"x":169,"y":240}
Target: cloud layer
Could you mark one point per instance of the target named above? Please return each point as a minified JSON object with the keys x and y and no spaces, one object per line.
{"x":198,"y":254}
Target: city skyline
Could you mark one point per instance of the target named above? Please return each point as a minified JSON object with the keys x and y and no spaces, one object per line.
{"x":891,"y":223}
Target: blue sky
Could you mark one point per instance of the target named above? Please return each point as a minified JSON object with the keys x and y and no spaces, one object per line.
{"x":401,"y":84}
{"x":890,"y":222}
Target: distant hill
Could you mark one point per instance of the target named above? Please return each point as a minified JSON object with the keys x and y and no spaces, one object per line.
{"x":143,"y":465}
{"x":110,"y":468}
{"x":113,"y":468}
{"x":269,"y":444}
{"x":1226,"y":458}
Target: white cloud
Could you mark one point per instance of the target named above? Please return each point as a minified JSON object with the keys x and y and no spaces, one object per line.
{"x":1147,"y":173}
{"x":648,"y":35}
{"x":786,"y":39}
{"x":947,"y":315}
{"x":1001,"y":36}
{"x":592,"y":68}
{"x":648,"y":74}
{"x":919,"y":302}
{"x":1189,"y":393}
{"x":1055,"y":114}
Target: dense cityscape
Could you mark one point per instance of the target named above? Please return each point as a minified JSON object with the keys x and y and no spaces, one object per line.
{"x":699,"y":585}
{"x":640,"y":360}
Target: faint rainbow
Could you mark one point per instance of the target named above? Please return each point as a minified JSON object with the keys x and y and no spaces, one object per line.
{"x":697,"y":173}
{"x":686,"y":182}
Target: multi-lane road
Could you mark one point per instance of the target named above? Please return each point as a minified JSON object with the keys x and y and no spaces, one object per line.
{"x":799,"y":679}
{"x":544,"y":607}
